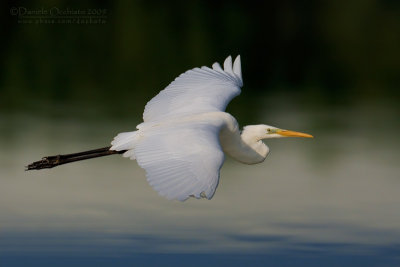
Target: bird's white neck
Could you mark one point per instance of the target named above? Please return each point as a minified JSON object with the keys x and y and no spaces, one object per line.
{"x":245,"y":147}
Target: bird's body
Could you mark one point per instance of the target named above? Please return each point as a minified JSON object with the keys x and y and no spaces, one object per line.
{"x":185,"y":134}
{"x":245,"y":147}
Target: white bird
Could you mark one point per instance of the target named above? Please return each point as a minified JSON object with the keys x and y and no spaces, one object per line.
{"x":186,"y":133}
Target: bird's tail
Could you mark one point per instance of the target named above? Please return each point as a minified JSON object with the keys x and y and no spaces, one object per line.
{"x":126,"y":142}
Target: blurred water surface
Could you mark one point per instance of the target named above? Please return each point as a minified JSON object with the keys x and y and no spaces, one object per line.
{"x":334,"y":196}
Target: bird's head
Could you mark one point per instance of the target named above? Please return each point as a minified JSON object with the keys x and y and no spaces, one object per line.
{"x":263,"y":131}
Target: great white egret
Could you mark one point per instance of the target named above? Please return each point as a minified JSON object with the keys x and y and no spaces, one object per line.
{"x":185,"y":134}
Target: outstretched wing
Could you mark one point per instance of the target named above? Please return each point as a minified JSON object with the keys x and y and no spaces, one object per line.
{"x":196,"y":91}
{"x":181,"y":160}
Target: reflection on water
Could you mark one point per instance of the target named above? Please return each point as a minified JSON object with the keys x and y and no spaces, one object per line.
{"x":335,"y":195}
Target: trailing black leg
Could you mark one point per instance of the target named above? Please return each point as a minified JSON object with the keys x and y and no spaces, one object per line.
{"x":53,"y":161}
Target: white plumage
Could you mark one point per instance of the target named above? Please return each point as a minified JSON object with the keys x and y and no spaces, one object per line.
{"x":185,"y":132}
{"x":196,"y":91}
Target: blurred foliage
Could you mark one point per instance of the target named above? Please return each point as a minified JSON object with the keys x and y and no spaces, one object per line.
{"x":327,"y":52}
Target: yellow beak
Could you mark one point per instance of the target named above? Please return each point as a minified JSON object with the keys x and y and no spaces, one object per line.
{"x":287,"y":133}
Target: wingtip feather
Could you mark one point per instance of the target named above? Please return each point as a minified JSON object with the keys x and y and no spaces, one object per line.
{"x":216,"y":66}
{"x":228,"y":65}
{"x":237,"y":67}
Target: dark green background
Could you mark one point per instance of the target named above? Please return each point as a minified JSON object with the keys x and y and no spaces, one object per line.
{"x":323,"y":52}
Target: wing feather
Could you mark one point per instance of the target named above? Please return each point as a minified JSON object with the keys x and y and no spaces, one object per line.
{"x":197,"y":91}
{"x":217,"y":67}
{"x":181,"y":160}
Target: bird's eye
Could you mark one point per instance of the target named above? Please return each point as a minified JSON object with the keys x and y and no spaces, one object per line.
{"x":268,"y":130}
